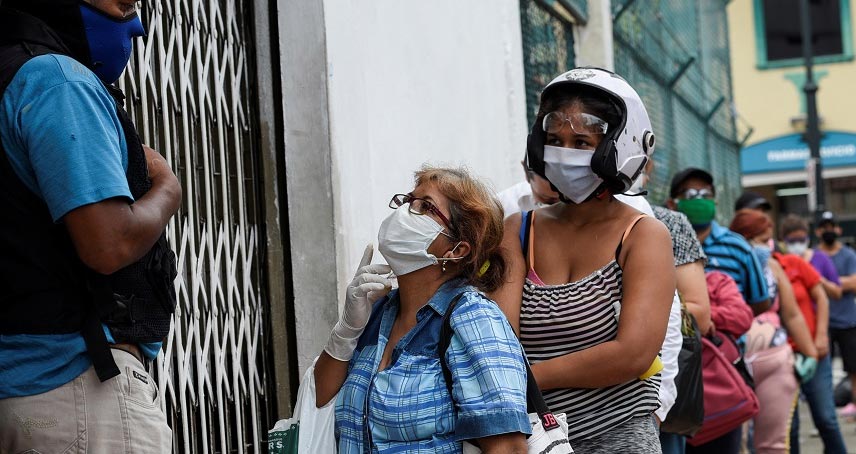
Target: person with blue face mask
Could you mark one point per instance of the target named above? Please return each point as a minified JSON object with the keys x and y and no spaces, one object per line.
{"x":86,"y":273}
{"x":382,"y":365}
{"x":592,"y":279}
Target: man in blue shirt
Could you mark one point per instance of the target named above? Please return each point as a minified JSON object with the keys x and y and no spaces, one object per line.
{"x":692,"y":193}
{"x":85,"y":271}
{"x":842,"y":311}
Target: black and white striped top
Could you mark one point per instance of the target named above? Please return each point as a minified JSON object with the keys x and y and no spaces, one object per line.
{"x":559,"y":319}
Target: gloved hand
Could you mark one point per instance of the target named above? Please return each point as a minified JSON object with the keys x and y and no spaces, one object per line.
{"x":805,"y":367}
{"x":369,"y":285}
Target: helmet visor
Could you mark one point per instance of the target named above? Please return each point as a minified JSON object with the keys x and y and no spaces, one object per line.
{"x":580,"y":123}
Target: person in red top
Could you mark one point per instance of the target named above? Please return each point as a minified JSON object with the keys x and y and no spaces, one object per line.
{"x":811,"y":298}
{"x":767,"y":352}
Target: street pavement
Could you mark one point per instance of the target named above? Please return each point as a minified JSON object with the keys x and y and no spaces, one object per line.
{"x":810,"y":442}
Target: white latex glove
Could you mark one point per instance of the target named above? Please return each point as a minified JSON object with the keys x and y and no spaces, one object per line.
{"x":369,"y":285}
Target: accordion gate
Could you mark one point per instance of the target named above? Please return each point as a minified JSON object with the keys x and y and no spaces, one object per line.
{"x":190,"y":96}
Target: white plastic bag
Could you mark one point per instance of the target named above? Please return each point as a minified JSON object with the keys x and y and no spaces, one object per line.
{"x":313,"y":426}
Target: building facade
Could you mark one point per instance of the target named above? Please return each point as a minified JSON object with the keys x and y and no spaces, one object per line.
{"x":769,"y":75}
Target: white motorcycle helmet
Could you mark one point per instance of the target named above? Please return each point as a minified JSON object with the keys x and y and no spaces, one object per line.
{"x":622,"y":154}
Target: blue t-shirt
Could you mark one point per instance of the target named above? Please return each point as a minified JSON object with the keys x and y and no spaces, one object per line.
{"x":730,"y":253}
{"x":407,"y":407}
{"x":842,"y":312}
{"x":63,"y":138}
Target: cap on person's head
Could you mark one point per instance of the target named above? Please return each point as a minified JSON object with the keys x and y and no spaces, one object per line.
{"x":686,"y":174}
{"x":827,"y":218}
{"x":752,"y":200}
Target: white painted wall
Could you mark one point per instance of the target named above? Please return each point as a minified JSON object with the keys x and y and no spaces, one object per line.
{"x":593,"y":43}
{"x":412,"y":82}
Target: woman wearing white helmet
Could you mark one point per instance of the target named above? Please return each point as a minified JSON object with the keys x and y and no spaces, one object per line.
{"x":592,"y":279}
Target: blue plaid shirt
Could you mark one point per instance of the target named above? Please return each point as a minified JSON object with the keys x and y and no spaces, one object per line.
{"x":406,"y":407}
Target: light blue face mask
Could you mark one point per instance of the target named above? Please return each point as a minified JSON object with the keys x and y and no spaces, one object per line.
{"x":762,"y":253}
{"x":110,"y":41}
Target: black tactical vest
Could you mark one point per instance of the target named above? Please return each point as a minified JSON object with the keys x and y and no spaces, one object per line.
{"x":44,"y":287}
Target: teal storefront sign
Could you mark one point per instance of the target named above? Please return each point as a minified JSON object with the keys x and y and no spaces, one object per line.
{"x":789,"y":153}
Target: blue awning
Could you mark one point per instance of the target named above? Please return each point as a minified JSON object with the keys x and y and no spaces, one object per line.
{"x":788,"y":153}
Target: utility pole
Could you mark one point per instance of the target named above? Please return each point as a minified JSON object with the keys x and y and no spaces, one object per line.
{"x":812,"y":127}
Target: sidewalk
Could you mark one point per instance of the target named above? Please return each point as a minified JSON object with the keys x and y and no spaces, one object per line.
{"x":810,"y":442}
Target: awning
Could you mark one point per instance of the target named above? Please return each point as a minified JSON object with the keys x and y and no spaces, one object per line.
{"x":783,"y":159}
{"x":799,"y":176}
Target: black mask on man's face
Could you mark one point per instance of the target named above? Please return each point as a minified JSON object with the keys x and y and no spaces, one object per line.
{"x":829,"y":237}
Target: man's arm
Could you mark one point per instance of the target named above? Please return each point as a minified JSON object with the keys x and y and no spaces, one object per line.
{"x":111,"y":234}
{"x":848,"y":283}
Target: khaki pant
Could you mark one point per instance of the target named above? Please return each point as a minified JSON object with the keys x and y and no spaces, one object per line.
{"x":121,"y":415}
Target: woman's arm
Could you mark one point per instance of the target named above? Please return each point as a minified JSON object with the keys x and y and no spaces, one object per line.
{"x":692,"y":288}
{"x":330,"y":375}
{"x":821,"y":333}
{"x":488,"y":372}
{"x":648,"y":287}
{"x":370,"y":284}
{"x":508,"y":296}
{"x":792,"y":318}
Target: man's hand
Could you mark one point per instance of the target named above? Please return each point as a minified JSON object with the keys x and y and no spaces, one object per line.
{"x":158,"y":167}
{"x":111,"y":234}
{"x":163,"y":177}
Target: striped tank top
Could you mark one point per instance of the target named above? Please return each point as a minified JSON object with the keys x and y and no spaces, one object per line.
{"x":559,"y":319}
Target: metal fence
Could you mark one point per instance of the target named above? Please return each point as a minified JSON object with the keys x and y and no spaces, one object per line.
{"x":189,"y":93}
{"x":548,"y":49}
{"x":676,"y":54}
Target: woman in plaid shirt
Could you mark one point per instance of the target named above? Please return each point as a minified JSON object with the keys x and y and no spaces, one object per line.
{"x":442,"y":242}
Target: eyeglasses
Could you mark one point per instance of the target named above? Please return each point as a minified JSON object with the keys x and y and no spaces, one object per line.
{"x":418,"y":206}
{"x":796,"y":239}
{"x":693,"y":193}
{"x":581,"y":123}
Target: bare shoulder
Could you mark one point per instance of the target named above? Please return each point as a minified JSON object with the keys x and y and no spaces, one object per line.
{"x":649,"y":225}
{"x":774,"y":265}
{"x":512,"y":223}
{"x":650,"y":237}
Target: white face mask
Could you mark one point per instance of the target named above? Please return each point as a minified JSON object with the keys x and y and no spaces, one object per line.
{"x":403,"y":240}
{"x":569,"y":169}
{"x":798,"y":248}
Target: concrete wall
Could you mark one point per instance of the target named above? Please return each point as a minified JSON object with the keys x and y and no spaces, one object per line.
{"x":768,"y":98}
{"x":593,"y":43}
{"x":408,"y":82}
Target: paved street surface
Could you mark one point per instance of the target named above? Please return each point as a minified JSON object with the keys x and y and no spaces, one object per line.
{"x":810,"y":442}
